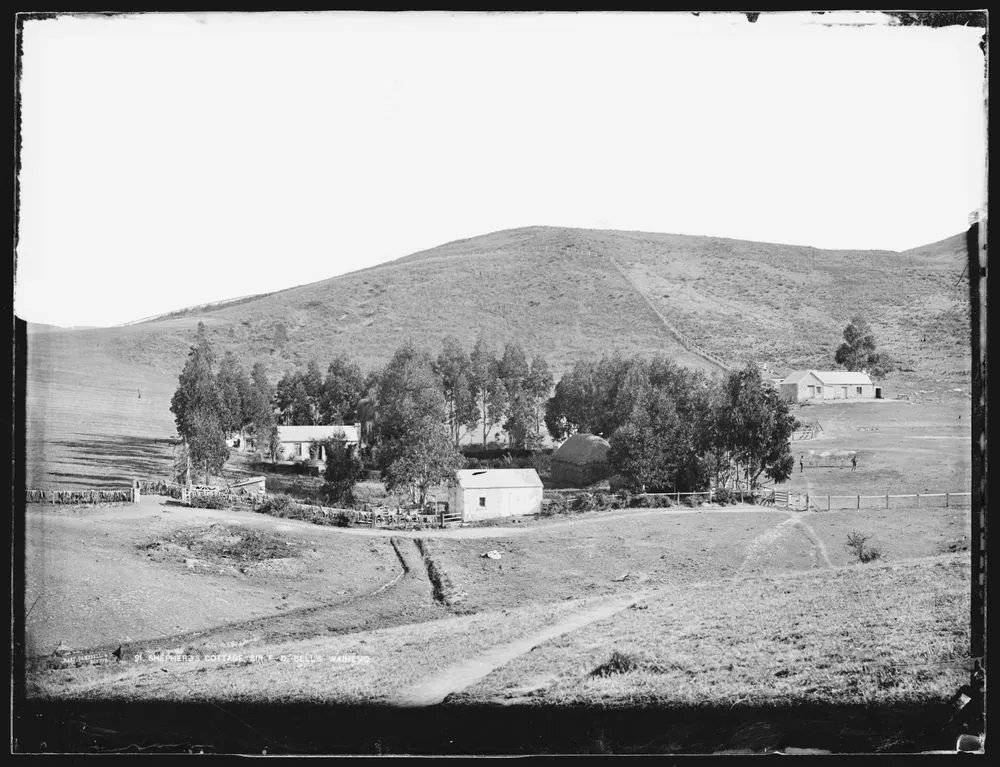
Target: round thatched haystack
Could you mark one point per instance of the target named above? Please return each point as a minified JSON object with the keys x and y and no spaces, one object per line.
{"x":581,"y":460}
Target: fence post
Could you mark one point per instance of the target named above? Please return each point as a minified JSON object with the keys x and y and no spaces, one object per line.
{"x":678,"y":497}
{"x":887,"y":500}
{"x":947,"y":501}
{"x":807,"y":501}
{"x":828,"y":502}
{"x":859,"y":501}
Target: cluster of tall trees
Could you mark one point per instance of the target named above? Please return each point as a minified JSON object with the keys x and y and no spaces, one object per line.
{"x":209,"y":405}
{"x":421,"y":407}
{"x":482,"y":391}
{"x":306,"y":397}
{"x":670,"y":428}
{"x":675,"y":429}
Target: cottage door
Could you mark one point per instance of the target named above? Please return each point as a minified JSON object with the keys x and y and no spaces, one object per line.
{"x":845,"y":392}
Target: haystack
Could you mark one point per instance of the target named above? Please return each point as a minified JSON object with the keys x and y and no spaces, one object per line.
{"x":581,"y":461}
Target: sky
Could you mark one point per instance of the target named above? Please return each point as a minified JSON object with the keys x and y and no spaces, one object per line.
{"x":170,"y":160}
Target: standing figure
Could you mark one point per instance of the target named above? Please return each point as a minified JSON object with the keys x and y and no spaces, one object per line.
{"x":854,"y":462}
{"x":801,"y":464}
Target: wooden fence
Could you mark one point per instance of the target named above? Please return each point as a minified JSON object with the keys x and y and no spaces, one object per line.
{"x":80,"y":496}
{"x":831,"y":502}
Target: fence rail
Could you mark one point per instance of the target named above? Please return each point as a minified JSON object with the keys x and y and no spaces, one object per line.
{"x":833,"y":502}
{"x":80,"y":496}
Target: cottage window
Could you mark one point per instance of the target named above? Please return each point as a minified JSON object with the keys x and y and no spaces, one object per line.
{"x":859,"y":389}
{"x":482,"y":501}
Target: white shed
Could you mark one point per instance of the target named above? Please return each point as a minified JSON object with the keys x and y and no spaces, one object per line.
{"x":489,"y":493}
{"x":805,"y":385}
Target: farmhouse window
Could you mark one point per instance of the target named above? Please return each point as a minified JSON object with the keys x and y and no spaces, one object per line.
{"x":859,"y":389}
{"x":482,"y":502}
{"x":298,"y":448}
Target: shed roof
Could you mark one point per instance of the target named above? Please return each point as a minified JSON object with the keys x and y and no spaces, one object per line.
{"x":797,"y":375}
{"x":488,"y":478}
{"x":840,"y":377}
{"x":317,"y":433}
{"x":581,"y":449}
{"x":831,"y":377}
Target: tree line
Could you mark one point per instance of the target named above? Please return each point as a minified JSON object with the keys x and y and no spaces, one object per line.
{"x":414,"y":412}
{"x":670,"y":428}
{"x":482,"y":390}
{"x":673,"y":429}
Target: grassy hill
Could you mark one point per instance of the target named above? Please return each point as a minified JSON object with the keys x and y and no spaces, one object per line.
{"x":565,"y":293}
{"x":573,"y":292}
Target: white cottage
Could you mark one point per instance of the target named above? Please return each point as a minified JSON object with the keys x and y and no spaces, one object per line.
{"x":296,"y":440}
{"x":819,"y":385}
{"x":489,"y":493}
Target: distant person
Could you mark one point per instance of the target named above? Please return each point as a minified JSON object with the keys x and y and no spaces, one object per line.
{"x":140,"y":393}
{"x":801,"y":463}
{"x":854,"y":462}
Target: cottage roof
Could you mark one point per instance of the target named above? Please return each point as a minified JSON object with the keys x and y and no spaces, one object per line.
{"x":797,"y":375}
{"x":489,"y":478}
{"x":317,"y":433}
{"x":831,"y":377}
{"x":843,"y":377}
{"x":582,"y":449}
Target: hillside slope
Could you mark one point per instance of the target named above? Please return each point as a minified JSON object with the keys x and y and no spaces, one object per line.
{"x":567,"y":293}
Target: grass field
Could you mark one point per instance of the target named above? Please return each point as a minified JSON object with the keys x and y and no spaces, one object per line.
{"x":679,"y":608}
{"x":860,"y":635}
{"x":903,"y":447}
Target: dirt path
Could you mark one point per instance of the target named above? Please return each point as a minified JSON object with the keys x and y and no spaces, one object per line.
{"x":434,"y":690}
{"x":814,"y":537}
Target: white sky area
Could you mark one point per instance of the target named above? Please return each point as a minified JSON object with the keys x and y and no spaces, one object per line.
{"x":170,"y":160}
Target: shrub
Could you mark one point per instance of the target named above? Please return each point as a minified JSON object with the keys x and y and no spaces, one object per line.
{"x":691,"y":501}
{"x":603,"y":500}
{"x":209,"y":501}
{"x":724,"y":495}
{"x":553,"y":505}
{"x":342,"y":519}
{"x":858,"y":544}
{"x":583,"y":502}
{"x":276,"y":505}
{"x":618,"y":663}
{"x":541,"y":463}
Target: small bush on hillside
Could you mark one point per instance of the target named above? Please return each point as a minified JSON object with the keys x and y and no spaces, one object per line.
{"x":342,"y":519}
{"x":209,"y":501}
{"x":618,"y":663}
{"x":858,"y":544}
{"x":692,"y":501}
{"x":584,"y":502}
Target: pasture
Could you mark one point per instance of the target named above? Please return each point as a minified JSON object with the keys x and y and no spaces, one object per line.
{"x":677,"y":608}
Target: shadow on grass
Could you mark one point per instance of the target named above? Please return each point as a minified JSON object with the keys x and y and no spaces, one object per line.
{"x":82,"y":725}
{"x":117,"y":457}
